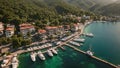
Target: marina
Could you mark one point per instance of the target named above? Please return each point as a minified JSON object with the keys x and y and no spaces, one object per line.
{"x":52,"y":51}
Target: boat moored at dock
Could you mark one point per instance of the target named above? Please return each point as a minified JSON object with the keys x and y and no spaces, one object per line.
{"x":74,"y":43}
{"x":54,"y":51}
{"x":49,"y":53}
{"x":79,"y":40}
{"x":33,"y":56}
{"x":89,"y":53}
{"x":15,"y":62}
{"x":89,"y":34}
{"x":41,"y":56}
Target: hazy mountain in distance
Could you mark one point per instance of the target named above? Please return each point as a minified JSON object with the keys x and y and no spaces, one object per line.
{"x":111,"y":9}
{"x":106,"y":7}
{"x":87,"y":4}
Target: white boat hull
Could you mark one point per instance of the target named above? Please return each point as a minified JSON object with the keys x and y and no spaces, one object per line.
{"x":50,"y":53}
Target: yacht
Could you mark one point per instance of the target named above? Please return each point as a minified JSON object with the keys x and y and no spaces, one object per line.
{"x":14,"y":62}
{"x":33,"y":55}
{"x":41,"y":56}
{"x":54,"y":51}
{"x":58,"y":43}
{"x":89,"y":34}
{"x":74,"y":43}
{"x":81,"y":40}
{"x":89,"y":53}
{"x":49,"y":53}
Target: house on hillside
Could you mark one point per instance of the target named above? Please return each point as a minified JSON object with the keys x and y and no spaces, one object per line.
{"x":51,"y":30}
{"x":42,"y":33}
{"x":76,"y":27}
{"x":54,"y":30}
{"x":9,"y":31}
{"x":26,"y":27}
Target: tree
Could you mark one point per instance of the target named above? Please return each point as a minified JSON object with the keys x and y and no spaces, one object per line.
{"x":29,"y":34}
{"x":82,"y":20}
{"x":16,"y":43}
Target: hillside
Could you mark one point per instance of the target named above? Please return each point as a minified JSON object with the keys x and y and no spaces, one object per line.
{"x":104,"y":7}
{"x":35,"y":10}
{"x":84,"y":4}
{"x":88,"y":4}
{"x":111,"y":9}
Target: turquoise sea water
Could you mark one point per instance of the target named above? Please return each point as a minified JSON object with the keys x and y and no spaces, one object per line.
{"x":105,"y":44}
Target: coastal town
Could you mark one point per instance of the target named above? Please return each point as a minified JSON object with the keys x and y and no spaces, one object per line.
{"x":59,"y":34}
{"x":49,"y":38}
{"x":26,"y":38}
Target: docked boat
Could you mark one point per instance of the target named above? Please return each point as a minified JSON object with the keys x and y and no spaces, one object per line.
{"x":80,"y":40}
{"x":49,"y":53}
{"x":33,"y":56}
{"x":41,"y":56}
{"x":74,"y":43}
{"x":58,"y":43}
{"x":14,"y":62}
{"x":89,"y":34}
{"x":54,"y":51}
{"x":89,"y":53}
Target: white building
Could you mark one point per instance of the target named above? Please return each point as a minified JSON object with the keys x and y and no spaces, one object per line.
{"x":9,"y":32}
{"x":26,"y":27}
{"x":76,"y":27}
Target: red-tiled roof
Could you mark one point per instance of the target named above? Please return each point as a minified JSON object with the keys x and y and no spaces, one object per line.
{"x":25,"y":26}
{"x":10,"y":29}
{"x":41,"y":31}
{"x":51,"y":27}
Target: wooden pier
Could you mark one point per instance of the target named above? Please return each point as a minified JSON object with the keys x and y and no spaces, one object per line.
{"x":101,"y":60}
